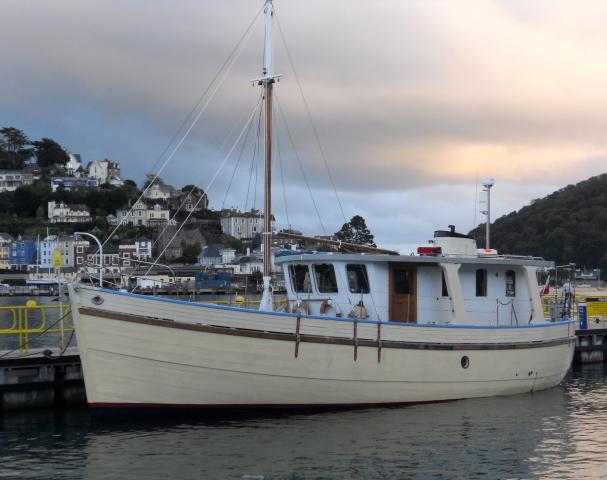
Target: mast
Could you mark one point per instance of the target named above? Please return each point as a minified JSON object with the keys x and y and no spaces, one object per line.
{"x":267,"y":81}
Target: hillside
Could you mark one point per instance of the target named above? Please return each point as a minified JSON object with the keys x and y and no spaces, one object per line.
{"x":569,"y":225}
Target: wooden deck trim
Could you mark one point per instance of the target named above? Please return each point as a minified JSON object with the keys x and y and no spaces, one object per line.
{"x":303,"y":338}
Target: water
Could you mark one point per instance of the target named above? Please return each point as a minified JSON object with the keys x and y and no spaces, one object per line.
{"x":558,"y":433}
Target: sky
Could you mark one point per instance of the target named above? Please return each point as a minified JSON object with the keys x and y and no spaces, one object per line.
{"x":413,"y":101}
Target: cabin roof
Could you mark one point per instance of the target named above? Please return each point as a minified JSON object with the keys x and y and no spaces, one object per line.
{"x":358,"y":258}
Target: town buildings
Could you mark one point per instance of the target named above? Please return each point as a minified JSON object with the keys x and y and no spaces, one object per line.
{"x":70,"y":248}
{"x":158,"y":190}
{"x":11,"y":180}
{"x":74,"y":166}
{"x":22,"y":253}
{"x":5,"y":244}
{"x":72,"y":183}
{"x":243,"y":225}
{"x":141,"y":215}
{"x":189,"y":201}
{"x":105,"y":171}
{"x":63,"y":213}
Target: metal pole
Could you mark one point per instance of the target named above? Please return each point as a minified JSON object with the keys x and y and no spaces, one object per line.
{"x":100,"y":254}
{"x":487,"y":244}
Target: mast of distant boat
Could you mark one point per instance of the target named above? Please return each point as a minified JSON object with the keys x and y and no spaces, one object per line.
{"x":267,"y":81}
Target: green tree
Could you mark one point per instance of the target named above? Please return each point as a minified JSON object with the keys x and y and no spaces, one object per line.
{"x":50,"y":153}
{"x":356,"y":231}
{"x":13,"y":148}
{"x":190,"y":253}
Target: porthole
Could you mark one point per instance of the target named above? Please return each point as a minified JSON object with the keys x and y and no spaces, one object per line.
{"x":97,"y":300}
{"x":465,"y":362}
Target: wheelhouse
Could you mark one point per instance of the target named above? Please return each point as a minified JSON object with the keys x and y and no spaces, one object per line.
{"x":450,"y":283}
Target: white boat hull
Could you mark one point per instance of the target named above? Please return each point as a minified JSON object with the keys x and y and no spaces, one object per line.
{"x":149,"y":352}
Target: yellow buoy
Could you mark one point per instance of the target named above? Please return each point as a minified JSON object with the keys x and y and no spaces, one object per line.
{"x":31,"y":304}
{"x":239,"y":299}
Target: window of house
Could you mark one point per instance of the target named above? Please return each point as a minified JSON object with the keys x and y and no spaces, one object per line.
{"x":79,"y":249}
{"x":325,"y":278}
{"x":79,"y":260}
{"x":358,"y":281}
{"x":510,"y":283}
{"x":300,"y":278}
{"x":127,"y":263}
{"x":444,"y":291}
{"x":481,"y":282}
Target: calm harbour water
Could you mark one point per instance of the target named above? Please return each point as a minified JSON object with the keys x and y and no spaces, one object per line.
{"x":558,"y":433}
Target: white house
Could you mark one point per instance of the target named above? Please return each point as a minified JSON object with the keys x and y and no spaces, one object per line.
{"x":158,"y":190}
{"x":63,"y":213}
{"x":72,"y":183}
{"x":105,"y":171}
{"x":243,"y":225}
{"x":11,"y":180}
{"x":74,"y":165}
{"x":140,"y":215}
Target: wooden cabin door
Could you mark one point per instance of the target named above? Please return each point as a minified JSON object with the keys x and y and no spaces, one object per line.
{"x":403,"y":293}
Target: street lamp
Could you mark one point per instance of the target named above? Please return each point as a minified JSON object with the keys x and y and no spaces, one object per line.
{"x":100,"y":254}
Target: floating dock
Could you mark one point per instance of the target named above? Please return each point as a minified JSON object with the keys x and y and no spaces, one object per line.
{"x":43,"y":379}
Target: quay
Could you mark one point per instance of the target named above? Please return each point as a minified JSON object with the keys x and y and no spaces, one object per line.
{"x":43,"y":379}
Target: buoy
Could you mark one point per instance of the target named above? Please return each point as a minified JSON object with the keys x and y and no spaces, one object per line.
{"x":239,"y":299}
{"x":31,"y":304}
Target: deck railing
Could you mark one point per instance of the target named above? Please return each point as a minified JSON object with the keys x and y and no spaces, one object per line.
{"x":27,"y":323}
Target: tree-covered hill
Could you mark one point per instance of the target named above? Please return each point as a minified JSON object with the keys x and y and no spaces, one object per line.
{"x":569,"y":225}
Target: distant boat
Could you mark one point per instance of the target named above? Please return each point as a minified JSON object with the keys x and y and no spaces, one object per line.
{"x":366,"y":329}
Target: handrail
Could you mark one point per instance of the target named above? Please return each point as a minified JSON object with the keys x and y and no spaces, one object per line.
{"x":35,"y":320}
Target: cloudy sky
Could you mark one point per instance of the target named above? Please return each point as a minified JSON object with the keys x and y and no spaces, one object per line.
{"x":414,"y":101}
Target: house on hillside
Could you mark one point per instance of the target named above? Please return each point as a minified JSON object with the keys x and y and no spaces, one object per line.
{"x":189,"y":201}
{"x":159,"y":190}
{"x":72,"y":183}
{"x":105,"y":171}
{"x":11,"y":180}
{"x":141,"y":215}
{"x":243,"y":225}
{"x":74,"y":167}
{"x":63,"y":213}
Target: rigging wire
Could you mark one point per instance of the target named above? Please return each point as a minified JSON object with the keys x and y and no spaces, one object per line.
{"x":303,"y":173}
{"x":312,"y":124}
{"x":227,"y":66}
{"x":253,"y":160}
{"x":215,"y":175}
{"x":244,"y":143}
{"x":200,"y":175}
{"x":282,"y":177}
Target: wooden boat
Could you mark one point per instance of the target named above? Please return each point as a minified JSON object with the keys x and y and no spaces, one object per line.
{"x":361,"y":329}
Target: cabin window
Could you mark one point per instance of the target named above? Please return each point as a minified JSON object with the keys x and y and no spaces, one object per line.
{"x":444,"y":291}
{"x":325,"y":278}
{"x":481,"y":282}
{"x":300,"y":278}
{"x":511,"y":283}
{"x":358,"y":281}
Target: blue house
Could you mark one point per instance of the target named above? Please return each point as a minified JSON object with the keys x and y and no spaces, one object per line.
{"x":22,"y":252}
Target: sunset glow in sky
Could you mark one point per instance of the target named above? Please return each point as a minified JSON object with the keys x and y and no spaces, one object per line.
{"x":413,"y":100}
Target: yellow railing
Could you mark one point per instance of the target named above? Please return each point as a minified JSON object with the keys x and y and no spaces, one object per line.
{"x":32,"y":321}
